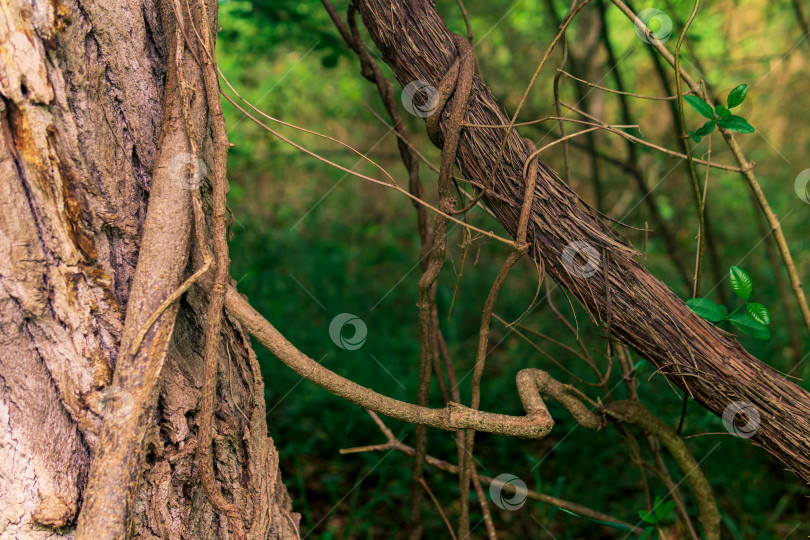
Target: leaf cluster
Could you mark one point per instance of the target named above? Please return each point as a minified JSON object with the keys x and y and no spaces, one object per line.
{"x":753,"y":321}
{"x":720,"y":115}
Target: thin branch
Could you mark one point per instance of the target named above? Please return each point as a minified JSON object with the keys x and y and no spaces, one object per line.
{"x":393,"y":443}
{"x":619,"y":92}
{"x":536,"y":424}
{"x":654,"y":146}
{"x":631,"y":164}
{"x":490,"y":175}
{"x":520,"y":248}
{"x":438,"y":507}
{"x":688,"y":151}
{"x":488,"y":234}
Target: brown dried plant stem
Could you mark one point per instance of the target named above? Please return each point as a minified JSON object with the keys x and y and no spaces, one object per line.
{"x":389,"y":185}
{"x":438,"y":507}
{"x":425,"y":303}
{"x":520,"y":249}
{"x":636,"y":140}
{"x":631,"y":163}
{"x":618,"y":91}
{"x":458,"y":79}
{"x":684,"y":137}
{"x":646,"y":315}
{"x":582,"y":96}
{"x":393,"y":443}
{"x":781,"y":285}
{"x":535,"y":425}
{"x":700,"y":201}
{"x":532,"y":383}
{"x":718,"y":271}
{"x":616,"y":129}
{"x":575,"y":9}
{"x":221,"y":275}
{"x":371,"y":71}
{"x":162,"y":260}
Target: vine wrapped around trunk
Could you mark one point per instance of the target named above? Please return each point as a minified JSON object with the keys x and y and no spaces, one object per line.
{"x":84,"y":93}
{"x":643,"y":312}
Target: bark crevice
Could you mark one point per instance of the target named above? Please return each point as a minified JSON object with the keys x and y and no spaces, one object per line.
{"x":81,"y":102}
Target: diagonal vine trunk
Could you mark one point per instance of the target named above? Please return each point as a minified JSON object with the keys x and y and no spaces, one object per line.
{"x":83,"y":98}
{"x":643,"y":312}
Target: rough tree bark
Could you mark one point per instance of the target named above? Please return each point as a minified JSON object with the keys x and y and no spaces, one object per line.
{"x":83,"y":98}
{"x":639,"y":309}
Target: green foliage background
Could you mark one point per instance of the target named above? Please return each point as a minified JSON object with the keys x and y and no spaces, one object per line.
{"x":311,"y":242}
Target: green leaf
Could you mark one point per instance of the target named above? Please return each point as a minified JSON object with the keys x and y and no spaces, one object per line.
{"x":706,"y":128}
{"x":737,"y":96}
{"x":759,"y":312}
{"x":700,"y":106}
{"x":741,"y":282}
{"x":645,"y":534}
{"x":647,"y":517}
{"x":735,"y":123}
{"x":664,"y":510}
{"x":721,"y":111}
{"x":750,"y":325}
{"x":707,"y":309}
{"x":694,"y":136}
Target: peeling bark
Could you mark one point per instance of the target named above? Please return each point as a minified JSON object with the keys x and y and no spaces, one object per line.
{"x":82,"y":99}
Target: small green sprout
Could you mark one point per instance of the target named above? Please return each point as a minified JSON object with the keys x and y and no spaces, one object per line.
{"x":753,"y":321}
{"x":720,"y":115}
{"x":660,"y":512}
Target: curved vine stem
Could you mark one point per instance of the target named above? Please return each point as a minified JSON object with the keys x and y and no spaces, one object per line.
{"x":688,"y":151}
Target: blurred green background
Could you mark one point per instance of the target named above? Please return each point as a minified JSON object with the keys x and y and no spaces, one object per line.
{"x":311,"y":242}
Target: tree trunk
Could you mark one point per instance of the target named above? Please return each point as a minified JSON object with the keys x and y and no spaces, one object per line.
{"x":618,"y":291}
{"x":83,"y":98}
